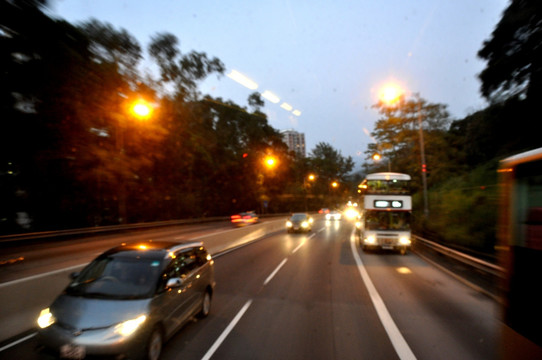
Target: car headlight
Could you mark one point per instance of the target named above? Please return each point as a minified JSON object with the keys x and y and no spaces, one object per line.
{"x":358,"y":224}
{"x":288,"y":224}
{"x":128,"y":327}
{"x":46,"y":318}
{"x":370,"y":239}
{"x":404,"y":240}
{"x":305,"y":224}
{"x":328,"y":216}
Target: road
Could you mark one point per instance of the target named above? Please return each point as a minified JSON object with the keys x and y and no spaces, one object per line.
{"x":317,"y":296}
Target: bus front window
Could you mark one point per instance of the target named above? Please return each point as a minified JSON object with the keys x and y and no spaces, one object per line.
{"x":387,"y":220}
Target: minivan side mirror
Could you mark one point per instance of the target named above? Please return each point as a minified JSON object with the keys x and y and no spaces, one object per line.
{"x":74,"y":275}
{"x":174,"y":282}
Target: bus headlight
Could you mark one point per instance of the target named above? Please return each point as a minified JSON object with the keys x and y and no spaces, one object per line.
{"x":371,"y":239}
{"x":404,"y":240}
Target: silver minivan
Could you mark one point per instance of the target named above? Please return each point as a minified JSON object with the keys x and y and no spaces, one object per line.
{"x":129,"y":301}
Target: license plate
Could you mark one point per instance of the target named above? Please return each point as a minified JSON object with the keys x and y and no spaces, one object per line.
{"x":70,"y":351}
{"x":387,"y":247}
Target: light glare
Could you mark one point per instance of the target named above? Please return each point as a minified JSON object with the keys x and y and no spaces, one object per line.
{"x":390,"y":93}
{"x":243,"y":80}
{"x":286,"y":106}
{"x":270,"y":96}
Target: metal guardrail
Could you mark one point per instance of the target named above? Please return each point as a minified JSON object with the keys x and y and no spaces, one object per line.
{"x":103,"y":229}
{"x":480,"y":274}
{"x":479,"y":264}
{"x":59,"y":234}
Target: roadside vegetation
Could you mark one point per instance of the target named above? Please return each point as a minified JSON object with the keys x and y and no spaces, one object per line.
{"x":74,"y":155}
{"x":462,"y":155}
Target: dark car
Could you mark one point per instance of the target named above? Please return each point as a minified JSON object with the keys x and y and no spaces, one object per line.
{"x":299,"y":222}
{"x":129,"y":301}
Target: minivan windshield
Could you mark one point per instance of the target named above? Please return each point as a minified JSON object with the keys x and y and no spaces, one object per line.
{"x":111,"y":277}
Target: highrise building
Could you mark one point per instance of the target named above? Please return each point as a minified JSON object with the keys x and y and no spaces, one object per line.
{"x":295,"y":141}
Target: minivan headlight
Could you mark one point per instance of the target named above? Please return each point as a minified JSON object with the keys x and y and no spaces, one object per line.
{"x":288,"y":224}
{"x":46,"y":318}
{"x":128,"y":327}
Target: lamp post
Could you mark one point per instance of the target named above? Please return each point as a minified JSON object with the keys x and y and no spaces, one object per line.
{"x":306,"y":185}
{"x":377,"y":157}
{"x":141,"y":110}
{"x":391,"y":94}
{"x":424,"y":165}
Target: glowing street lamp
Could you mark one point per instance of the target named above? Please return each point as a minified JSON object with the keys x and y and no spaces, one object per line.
{"x":390,"y":93}
{"x":141,"y":109}
{"x":270,"y":161}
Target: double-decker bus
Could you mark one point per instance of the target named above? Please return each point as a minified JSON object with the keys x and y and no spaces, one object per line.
{"x":384,"y":221}
{"x":519,"y":234}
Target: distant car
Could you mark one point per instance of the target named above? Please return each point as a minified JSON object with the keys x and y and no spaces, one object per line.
{"x":323,"y":211}
{"x":129,"y":301}
{"x":244,"y":218}
{"x":299,"y":222}
{"x":334,"y":215}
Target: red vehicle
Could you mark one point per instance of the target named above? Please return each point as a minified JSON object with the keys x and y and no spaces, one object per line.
{"x":244,"y":218}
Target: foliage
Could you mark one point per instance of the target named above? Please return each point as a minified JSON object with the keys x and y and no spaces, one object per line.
{"x":463,"y":210}
{"x":462,"y":158}
{"x":514,"y":53}
{"x":397,"y":135}
{"x":74,"y":156}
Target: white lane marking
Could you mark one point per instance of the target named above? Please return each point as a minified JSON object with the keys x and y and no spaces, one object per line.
{"x":13,"y":282}
{"x":17,"y":342}
{"x":400,"y":345}
{"x":226,"y":331}
{"x":298,"y":246}
{"x":274,"y":272}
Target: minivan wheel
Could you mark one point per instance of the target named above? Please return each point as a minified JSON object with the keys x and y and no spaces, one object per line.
{"x":154,"y":345}
{"x":205,"y":305}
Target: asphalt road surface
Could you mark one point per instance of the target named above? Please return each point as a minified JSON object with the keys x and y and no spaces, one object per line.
{"x":318,"y":296}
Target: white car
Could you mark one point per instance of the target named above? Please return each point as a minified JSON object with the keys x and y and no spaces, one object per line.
{"x":333,"y":215}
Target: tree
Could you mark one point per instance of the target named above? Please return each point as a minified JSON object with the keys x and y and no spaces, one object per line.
{"x":182,"y":71}
{"x":397,"y":135}
{"x":329,"y":164}
{"x":514,"y":53}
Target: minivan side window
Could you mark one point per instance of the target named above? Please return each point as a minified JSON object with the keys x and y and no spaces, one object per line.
{"x":169,"y":272}
{"x":201,"y":256}
{"x":187,"y":261}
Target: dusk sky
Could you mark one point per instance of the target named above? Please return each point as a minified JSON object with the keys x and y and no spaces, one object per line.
{"x":327,"y":59}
